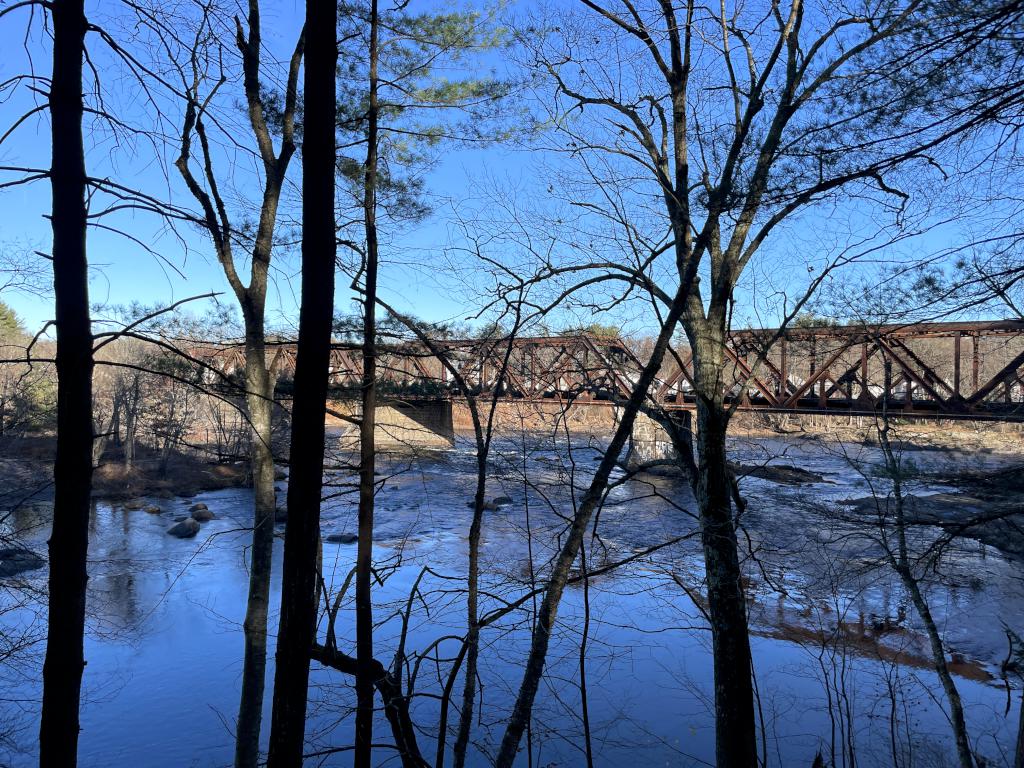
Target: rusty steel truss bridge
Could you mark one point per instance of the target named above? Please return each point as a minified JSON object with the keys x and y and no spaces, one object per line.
{"x":957,"y":370}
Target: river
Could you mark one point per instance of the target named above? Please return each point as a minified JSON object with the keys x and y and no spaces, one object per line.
{"x":164,"y":628}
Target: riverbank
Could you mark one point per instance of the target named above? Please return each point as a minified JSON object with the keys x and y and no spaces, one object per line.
{"x":26,"y":473}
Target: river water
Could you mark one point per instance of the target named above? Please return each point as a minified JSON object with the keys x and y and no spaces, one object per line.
{"x":164,"y":639}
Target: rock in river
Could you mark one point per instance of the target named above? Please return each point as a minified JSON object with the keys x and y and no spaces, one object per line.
{"x":202,"y":515}
{"x":341,"y":538}
{"x":153,"y":509}
{"x":197,"y":507}
{"x":501,"y":501}
{"x":786,"y":474}
{"x":186,"y":529}
{"x":15,"y":560}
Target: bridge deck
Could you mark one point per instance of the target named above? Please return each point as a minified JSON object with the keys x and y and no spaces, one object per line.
{"x":970,"y":370}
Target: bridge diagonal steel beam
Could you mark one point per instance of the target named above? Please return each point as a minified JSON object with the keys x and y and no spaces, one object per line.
{"x":673,"y":380}
{"x":822,"y":374}
{"x":749,"y":376}
{"x":898,"y":343}
{"x":848,"y":374}
{"x":1007,"y":371}
{"x":909,"y":372}
{"x":783,"y":377}
{"x":623,"y":385}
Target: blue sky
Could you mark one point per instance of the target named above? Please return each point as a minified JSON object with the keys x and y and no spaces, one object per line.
{"x":123,"y":271}
{"x":416,"y":276}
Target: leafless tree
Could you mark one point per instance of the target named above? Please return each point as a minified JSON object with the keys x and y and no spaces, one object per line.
{"x":694,"y":166}
{"x":69,"y":540}
{"x":300,"y":593}
{"x":199,"y":66}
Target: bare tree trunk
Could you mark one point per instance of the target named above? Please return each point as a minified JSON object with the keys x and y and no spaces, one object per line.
{"x":131,"y":419}
{"x":956,"y":707}
{"x":252,"y":299}
{"x":548,"y":612}
{"x":735,"y":722}
{"x":295,"y":640}
{"x":902,"y":565}
{"x":367,"y":449}
{"x":472,"y":606}
{"x":259,"y":403}
{"x":72,"y":474}
{"x":1018,"y":753}
{"x":713,"y":487}
{"x":585,"y":633}
{"x":482,"y":432}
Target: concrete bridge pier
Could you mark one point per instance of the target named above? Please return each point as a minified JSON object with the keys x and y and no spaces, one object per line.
{"x":400,"y":424}
{"x":650,"y":441}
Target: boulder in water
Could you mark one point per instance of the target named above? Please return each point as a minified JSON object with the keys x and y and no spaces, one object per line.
{"x":153,"y":509}
{"x":786,"y":474}
{"x":281,"y":515}
{"x":202,"y":515}
{"x":501,"y":501}
{"x":197,"y":507}
{"x":186,"y":529}
{"x":341,"y":538}
{"x":15,"y":560}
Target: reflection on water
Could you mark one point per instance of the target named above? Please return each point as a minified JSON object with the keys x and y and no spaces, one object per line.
{"x":164,"y":645}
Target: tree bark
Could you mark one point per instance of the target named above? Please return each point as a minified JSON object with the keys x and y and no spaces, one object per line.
{"x":735,"y":722}
{"x":72,"y":474}
{"x":367,"y":448}
{"x":472,"y":605}
{"x":259,"y":403}
{"x":296,"y":638}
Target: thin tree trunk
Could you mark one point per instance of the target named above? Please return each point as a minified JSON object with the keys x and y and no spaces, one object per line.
{"x":130,"y":426}
{"x":472,"y":607}
{"x":259,"y":403}
{"x":72,"y":474}
{"x":251,"y":299}
{"x":295,"y":639}
{"x":482,"y":432}
{"x":902,"y":566}
{"x":367,"y":449}
{"x":588,"y":746}
{"x":534,"y":666}
{"x":1018,"y":753}
{"x":956,"y":707}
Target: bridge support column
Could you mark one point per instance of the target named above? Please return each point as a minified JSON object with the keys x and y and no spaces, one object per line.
{"x":401,"y":425}
{"x":650,"y":442}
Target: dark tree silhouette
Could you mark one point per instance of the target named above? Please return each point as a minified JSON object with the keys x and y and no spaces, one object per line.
{"x":69,"y":540}
{"x":302,"y":533}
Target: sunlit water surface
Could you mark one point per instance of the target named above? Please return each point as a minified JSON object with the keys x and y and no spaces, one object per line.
{"x":164,"y":642}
